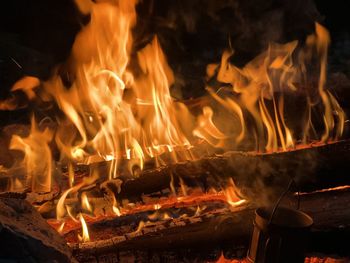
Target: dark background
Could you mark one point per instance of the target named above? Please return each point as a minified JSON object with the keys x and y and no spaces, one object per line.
{"x":36,"y":35}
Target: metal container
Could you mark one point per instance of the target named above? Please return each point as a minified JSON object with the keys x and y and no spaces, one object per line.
{"x":280,"y":235}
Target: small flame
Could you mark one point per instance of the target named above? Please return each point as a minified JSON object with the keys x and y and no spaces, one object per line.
{"x":61,"y":208}
{"x":70,"y":211}
{"x":85,"y":233}
{"x":198,"y":211}
{"x":232,"y":194}
{"x":61,"y":227}
{"x":207,"y":130}
{"x":115,"y":208}
{"x":183,"y":187}
{"x":16,"y":185}
{"x":166,"y":216}
{"x":140,"y":227}
{"x":85,"y":202}
{"x":157,"y":206}
{"x":71,"y":175}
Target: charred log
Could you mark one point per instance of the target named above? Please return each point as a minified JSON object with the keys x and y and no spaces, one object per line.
{"x":26,"y":236}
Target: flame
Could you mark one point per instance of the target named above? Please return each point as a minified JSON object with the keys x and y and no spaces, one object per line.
{"x":16,"y":185}
{"x":71,"y":175}
{"x":37,"y":157}
{"x":207,"y":130}
{"x":260,"y":87}
{"x":111,"y":112}
{"x":183,"y":187}
{"x":70,"y":211}
{"x":115,"y":208}
{"x":61,"y":227}
{"x":85,"y":202}
{"x":232,"y":194}
{"x":157,"y":206}
{"x":85,"y":232}
{"x":61,"y":208}
{"x":140,"y":227}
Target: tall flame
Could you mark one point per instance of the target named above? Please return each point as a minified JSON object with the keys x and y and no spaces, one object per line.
{"x":260,"y":87}
{"x":113,"y":113}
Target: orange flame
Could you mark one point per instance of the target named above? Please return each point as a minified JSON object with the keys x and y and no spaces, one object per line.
{"x":37,"y":157}
{"x":85,"y":232}
{"x":269,"y":78}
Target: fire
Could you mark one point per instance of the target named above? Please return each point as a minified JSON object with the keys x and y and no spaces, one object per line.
{"x":85,"y":202}
{"x":260,"y":88}
{"x":85,"y":233}
{"x":37,"y":157}
{"x":232,"y":194}
{"x":113,"y":113}
{"x":115,"y":208}
{"x":116,"y":106}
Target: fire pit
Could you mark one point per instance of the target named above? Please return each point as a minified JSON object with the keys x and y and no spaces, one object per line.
{"x":125,"y":157}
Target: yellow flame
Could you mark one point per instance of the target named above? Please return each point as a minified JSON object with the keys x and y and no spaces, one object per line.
{"x":70,"y":211}
{"x":232,"y":194}
{"x":260,"y":87}
{"x":61,"y":227}
{"x":183,"y":187}
{"x":85,"y":202}
{"x":37,"y":157}
{"x":157,"y":206}
{"x":115,"y":208}
{"x":85,"y":232}
{"x":70,"y":175}
{"x":207,"y":130}
{"x":61,"y":209}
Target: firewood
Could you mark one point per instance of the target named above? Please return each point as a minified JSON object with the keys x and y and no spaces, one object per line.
{"x":329,"y":209}
{"x":313,"y":167}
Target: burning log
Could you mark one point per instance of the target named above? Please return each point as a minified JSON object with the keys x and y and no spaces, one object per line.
{"x":24,"y":233}
{"x":232,"y":228}
{"x":313,"y":167}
